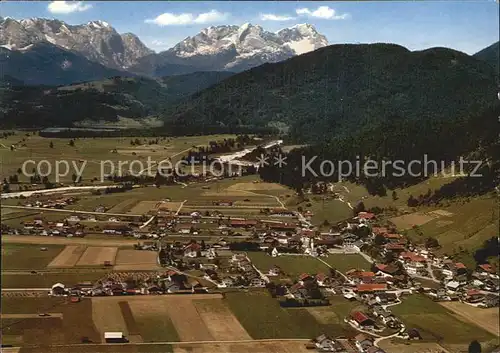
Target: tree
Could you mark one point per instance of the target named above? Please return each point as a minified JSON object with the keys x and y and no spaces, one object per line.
{"x":394,"y":195}
{"x":379,"y":240}
{"x":6,"y":187}
{"x":475,"y":347}
{"x":431,"y":242}
{"x":19,"y":171}
{"x":362,"y":232}
{"x":71,"y":143}
{"x":360,"y":207}
{"x":412,"y":202}
{"x":51,"y":144}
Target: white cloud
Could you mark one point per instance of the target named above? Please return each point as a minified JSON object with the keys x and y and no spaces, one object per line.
{"x":211,"y":16}
{"x":65,"y":7}
{"x":272,"y":17}
{"x":170,"y":19}
{"x":323,"y":12}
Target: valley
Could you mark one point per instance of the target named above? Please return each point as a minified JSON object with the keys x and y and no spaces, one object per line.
{"x":196,"y":177}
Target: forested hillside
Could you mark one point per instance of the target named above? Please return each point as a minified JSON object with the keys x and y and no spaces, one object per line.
{"x":38,"y":106}
{"x":340,"y":88}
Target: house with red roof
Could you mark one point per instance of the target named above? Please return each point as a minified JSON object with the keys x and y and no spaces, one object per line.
{"x":192,"y":250}
{"x":321,"y":278}
{"x":282,"y":227}
{"x":454,"y":269}
{"x":379,"y":230}
{"x":370,"y":288}
{"x":473,"y":296}
{"x":359,"y":276}
{"x":412,"y":262}
{"x":366,"y":216}
{"x":392,"y":237}
{"x":305,"y":277}
{"x":394,"y":248}
{"x":361,"y":320}
{"x":487,"y":270}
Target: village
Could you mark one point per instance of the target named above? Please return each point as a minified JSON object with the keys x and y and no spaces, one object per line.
{"x":394,"y":268}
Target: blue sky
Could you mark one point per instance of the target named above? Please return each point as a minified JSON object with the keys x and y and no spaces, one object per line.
{"x":467,"y":26}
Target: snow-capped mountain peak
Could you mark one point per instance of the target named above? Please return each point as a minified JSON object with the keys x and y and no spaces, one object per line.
{"x":302,"y":38}
{"x":248,"y":45}
{"x":99,"y":24}
{"x":96,"y":40}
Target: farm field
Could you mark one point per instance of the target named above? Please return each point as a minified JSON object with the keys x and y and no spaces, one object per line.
{"x":140,"y":318}
{"x":68,"y":257}
{"x":291,"y":265}
{"x":97,"y":256}
{"x":168,"y":318}
{"x":334,"y":314}
{"x":129,"y":260}
{"x":28,"y":256}
{"x":47,"y":279}
{"x":258,"y":314}
{"x":398,"y":346}
{"x":36,"y":148}
{"x":435,"y":323}
{"x":487,"y":319}
{"x":93,"y":348}
{"x":153,"y":321}
{"x":243,"y":347}
{"x":413,"y":219}
{"x":76,"y":321}
{"x":466,"y":225}
{"x":219,"y":320}
{"x":346,"y":262}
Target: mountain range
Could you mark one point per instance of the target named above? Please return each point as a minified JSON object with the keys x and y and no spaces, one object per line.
{"x":233,"y":48}
{"x":220,"y":48}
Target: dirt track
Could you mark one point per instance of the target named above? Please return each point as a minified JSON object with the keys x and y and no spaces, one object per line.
{"x":243,"y":347}
{"x":487,"y":319}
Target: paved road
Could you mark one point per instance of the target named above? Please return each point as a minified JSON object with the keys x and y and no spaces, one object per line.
{"x":165,"y":160}
{"x":180,"y":207}
{"x":42,"y":209}
{"x":298,"y":340}
{"x":54,"y":190}
{"x":147,"y":222}
{"x":26,"y":289}
{"x":31,"y":316}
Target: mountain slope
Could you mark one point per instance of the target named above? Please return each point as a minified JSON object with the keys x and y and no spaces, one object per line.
{"x":340,"y":87}
{"x":106,"y":100}
{"x":232,"y":48}
{"x":47,"y":64}
{"x":96,"y":40}
{"x":491,"y":55}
